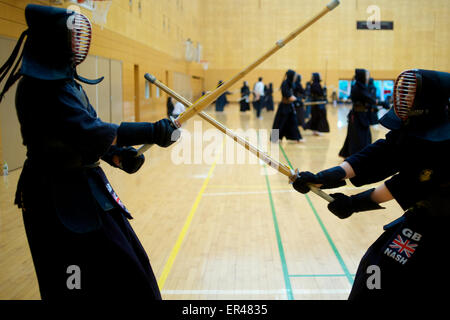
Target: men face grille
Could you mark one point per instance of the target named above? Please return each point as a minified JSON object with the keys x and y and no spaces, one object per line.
{"x":404,"y":93}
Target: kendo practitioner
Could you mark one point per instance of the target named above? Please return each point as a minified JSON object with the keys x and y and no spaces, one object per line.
{"x":73,"y":218}
{"x":318,"y":122}
{"x":268,"y":94}
{"x":307,"y":99}
{"x":359,"y":120}
{"x":299,"y":93}
{"x":373,"y":109}
{"x":258,"y":97}
{"x":221,"y":101}
{"x":178,"y":109}
{"x":244,"y":102}
{"x":170,"y":107}
{"x":325,"y":93}
{"x":413,"y":162}
{"x":285,"y":118}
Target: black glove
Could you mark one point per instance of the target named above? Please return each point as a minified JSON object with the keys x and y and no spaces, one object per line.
{"x":162,"y":133}
{"x":344,"y":206}
{"x":330,"y":178}
{"x":129,"y":161}
{"x":165,"y":133}
{"x":385,"y":105}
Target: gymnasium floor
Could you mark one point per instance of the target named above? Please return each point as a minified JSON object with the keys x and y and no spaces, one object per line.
{"x":220,"y":230}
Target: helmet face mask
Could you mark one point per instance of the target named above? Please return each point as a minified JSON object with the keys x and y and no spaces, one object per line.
{"x":81,"y":31}
{"x":421,"y":104}
{"x":57,"y":41}
{"x":405,"y":89}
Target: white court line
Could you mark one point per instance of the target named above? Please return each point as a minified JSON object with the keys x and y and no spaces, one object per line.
{"x":256,"y":292}
{"x":311,"y":147}
{"x":240,"y":193}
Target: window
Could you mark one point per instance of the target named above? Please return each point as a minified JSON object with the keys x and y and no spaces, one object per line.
{"x":148,"y":90}
{"x":344,"y":89}
{"x":384,"y":88}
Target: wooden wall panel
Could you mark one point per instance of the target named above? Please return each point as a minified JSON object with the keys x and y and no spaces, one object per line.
{"x":244,"y":30}
{"x":12,"y":150}
{"x":234,"y":33}
{"x":88,"y":69}
{"x":104,"y":89}
{"x":116,"y":91}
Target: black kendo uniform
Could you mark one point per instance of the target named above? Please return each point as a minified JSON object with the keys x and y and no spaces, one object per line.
{"x":410,"y":254}
{"x":307,"y":99}
{"x":245,"y":98}
{"x":373,"y":109}
{"x":299,"y":93}
{"x":285,"y":118}
{"x":221,"y":101}
{"x":72,"y":215}
{"x":358,"y":129}
{"x":170,"y":107}
{"x":318,"y":121}
{"x":268,"y":97}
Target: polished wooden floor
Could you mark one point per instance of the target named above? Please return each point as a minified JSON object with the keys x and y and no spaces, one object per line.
{"x":220,"y":230}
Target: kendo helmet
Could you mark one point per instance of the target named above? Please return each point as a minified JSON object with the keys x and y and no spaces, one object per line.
{"x":421,"y":104}
{"x":290,"y":75}
{"x":316,"y":77}
{"x":361,"y":75}
{"x":57,"y":41}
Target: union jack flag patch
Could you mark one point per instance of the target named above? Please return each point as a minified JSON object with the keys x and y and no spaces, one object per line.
{"x":406,"y":247}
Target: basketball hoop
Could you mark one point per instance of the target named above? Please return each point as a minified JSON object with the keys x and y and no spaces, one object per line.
{"x":100,"y":11}
{"x":204,"y":64}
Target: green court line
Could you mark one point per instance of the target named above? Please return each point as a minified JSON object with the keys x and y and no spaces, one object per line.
{"x":316,"y":275}
{"x":285,"y":156}
{"x":330,"y":241}
{"x":324,"y":230}
{"x":287,"y":281}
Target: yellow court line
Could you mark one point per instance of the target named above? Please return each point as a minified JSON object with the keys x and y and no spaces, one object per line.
{"x":176,"y":248}
{"x":217,"y":186}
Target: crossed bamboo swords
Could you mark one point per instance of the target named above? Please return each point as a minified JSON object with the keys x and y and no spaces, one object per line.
{"x":206,"y":100}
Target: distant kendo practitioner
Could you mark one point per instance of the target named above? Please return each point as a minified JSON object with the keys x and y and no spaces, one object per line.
{"x":244,"y":102}
{"x":268,"y":96}
{"x":170,"y":107}
{"x":178,"y":109}
{"x":307,"y":99}
{"x":258,"y":97}
{"x":74,"y":220}
{"x":358,"y":129}
{"x":325,"y":93}
{"x":285,"y":122}
{"x":412,"y":157}
{"x":373,"y":109}
{"x":318,"y":122}
{"x":222,"y":101}
{"x":299,"y":93}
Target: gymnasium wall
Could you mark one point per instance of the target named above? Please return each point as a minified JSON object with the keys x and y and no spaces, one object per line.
{"x":146,"y":38}
{"x":238,"y":32}
{"x":149,"y":36}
